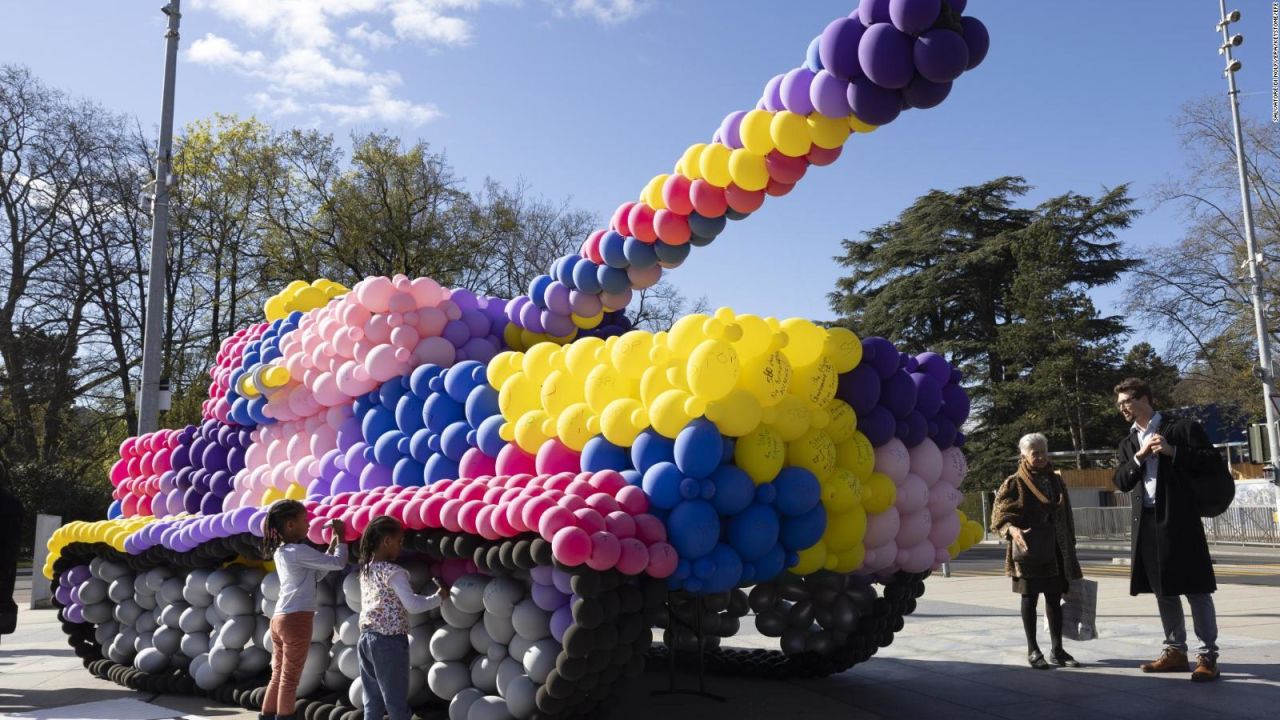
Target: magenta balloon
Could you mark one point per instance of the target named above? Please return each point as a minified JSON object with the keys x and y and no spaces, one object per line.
{"x":829,"y":95}
{"x":886,"y":57}
{"x":838,"y":48}
{"x":795,"y":91}
{"x":914,"y":16}
{"x":940,"y":56}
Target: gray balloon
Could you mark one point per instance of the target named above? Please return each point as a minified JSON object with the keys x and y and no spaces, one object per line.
{"x":233,"y":600}
{"x":217,"y":580}
{"x":93,"y":591}
{"x":127,"y":612}
{"x":223,"y":660}
{"x":99,"y":612}
{"x":499,"y":628}
{"x":540,"y":659}
{"x":484,"y":674}
{"x":194,"y":644}
{"x":121,"y":589}
{"x":193,"y":620}
{"x":457,"y":617}
{"x":237,"y":632}
{"x":521,"y":697}
{"x":449,"y":644}
{"x":447,"y":679}
{"x":489,"y":707}
{"x":461,"y":703}
{"x":145,"y":600}
{"x":171,"y":591}
{"x":349,"y":663}
{"x":151,"y":660}
{"x":167,"y":640}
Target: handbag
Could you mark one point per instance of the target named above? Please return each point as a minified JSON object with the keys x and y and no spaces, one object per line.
{"x":1080,"y":610}
{"x":1041,"y":544}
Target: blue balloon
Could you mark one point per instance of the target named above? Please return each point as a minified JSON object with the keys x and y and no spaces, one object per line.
{"x":613,"y":280}
{"x":671,"y":254}
{"x":727,"y":570}
{"x":378,"y":421}
{"x":812,"y":58}
{"x":482,"y":403}
{"x":706,"y":227}
{"x":419,"y":449}
{"x":409,"y":414}
{"x":662,"y":484}
{"x":640,"y":254}
{"x":439,"y":468}
{"x":389,"y":393}
{"x":460,"y":379}
{"x":632,"y":476}
{"x":256,"y":409}
{"x":564,"y":269}
{"x":586,"y":277}
{"x":734,"y":490}
{"x":650,"y":448}
{"x":754,"y":531}
{"x":407,"y":473}
{"x":488,"y":437}
{"x":386,"y":451}
{"x":693,"y":527}
{"x":612,"y":249}
{"x":802,"y":531}
{"x":698,"y":448}
{"x":735,"y":215}
{"x":453,"y":441}
{"x":600,"y":454}
{"x":115,"y":510}
{"x":536,"y":288}
{"x":699,"y":241}
{"x":362,"y":405}
{"x":420,"y":380}
{"x":798,"y":491}
{"x":440,"y":411}
{"x":771,"y":565}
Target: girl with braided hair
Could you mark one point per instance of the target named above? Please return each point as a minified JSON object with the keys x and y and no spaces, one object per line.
{"x":300,"y":567}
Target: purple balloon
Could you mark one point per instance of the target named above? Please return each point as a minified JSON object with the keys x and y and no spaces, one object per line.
{"x":530,"y":317}
{"x":928,"y":395}
{"x":214,"y":458}
{"x":829,"y":95}
{"x":223,"y":482}
{"x":235,"y":459}
{"x":917,"y":430}
{"x":940,"y":56}
{"x":456,"y":332}
{"x":795,"y":91}
{"x":557,"y":325}
{"x":935,"y":366}
{"x":585,"y":304}
{"x":838,"y":48}
{"x":731,"y":129}
{"x":955,"y":404}
{"x":773,"y":95}
{"x":547,"y":597}
{"x":74,"y":614}
{"x":464,"y":299}
{"x":860,"y":388}
{"x":561,"y":619}
{"x":224,"y":435}
{"x":898,"y":394}
{"x":945,"y":436}
{"x":873,"y":104}
{"x":514,"y":307}
{"x":878,"y":425}
{"x":77,"y":575}
{"x":556,"y":297}
{"x":958,"y":5}
{"x":374,"y":475}
{"x":977,"y":39}
{"x":881,"y":355}
{"x":355,"y":460}
{"x":874,"y":11}
{"x":885,"y":56}
{"x":914,"y":16}
{"x":923,"y":93}
{"x":184,"y":478}
{"x":478,"y":324}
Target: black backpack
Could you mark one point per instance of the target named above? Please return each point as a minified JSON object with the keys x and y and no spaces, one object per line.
{"x":1214,"y":491}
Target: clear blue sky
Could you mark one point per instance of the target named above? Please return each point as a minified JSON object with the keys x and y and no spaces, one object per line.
{"x":588,"y":99}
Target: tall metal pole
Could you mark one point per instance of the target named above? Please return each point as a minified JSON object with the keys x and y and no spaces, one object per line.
{"x":1251,"y":244}
{"x":153,"y":334}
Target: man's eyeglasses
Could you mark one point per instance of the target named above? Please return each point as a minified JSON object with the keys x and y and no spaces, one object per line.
{"x":1123,"y":403}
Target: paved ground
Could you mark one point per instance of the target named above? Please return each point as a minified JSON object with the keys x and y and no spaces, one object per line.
{"x":960,"y":657}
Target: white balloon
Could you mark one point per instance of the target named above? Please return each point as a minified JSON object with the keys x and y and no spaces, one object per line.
{"x":193,"y":590}
{"x":497,"y":652}
{"x":480,"y":639}
{"x":233,"y":600}
{"x":223,"y":660}
{"x":193,"y":620}
{"x":254,"y":659}
{"x":236,"y":633}
{"x":508,"y":670}
{"x":146,"y":622}
{"x":489,"y":707}
{"x":317,"y":660}
{"x":194,"y":644}
{"x":468,"y":593}
{"x":501,"y":596}
{"x":121,"y":589}
{"x":521,"y":697}
{"x":447,"y":679}
{"x":213,"y":616}
{"x":151,"y":660}
{"x":484,"y":674}
{"x":530,"y":621}
{"x":349,"y":630}
{"x":267,"y":607}
{"x":99,"y":612}
{"x":93,"y":591}
{"x":499,"y":628}
{"x":349,"y":663}
{"x":541,"y":659}
{"x":518,"y":647}
{"x":322,"y":624}
{"x":167,"y":640}
{"x":171,"y":615}
{"x":121,"y":649}
{"x":351,"y":591}
{"x":324,"y":593}
{"x":355,"y":693}
{"x":171,"y":591}
{"x":271,"y":587}
{"x":419,"y":647}
{"x":461,"y":703}
{"x":127,"y":612}
{"x":145,"y":600}
{"x":217,"y":580}
{"x":457,"y":617}
{"x":449,"y":643}
{"x":143,"y":642}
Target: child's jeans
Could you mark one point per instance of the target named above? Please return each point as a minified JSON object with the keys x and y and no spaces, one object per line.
{"x":384,"y":672}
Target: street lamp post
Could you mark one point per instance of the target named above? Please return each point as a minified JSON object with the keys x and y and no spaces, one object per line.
{"x":152,"y":352}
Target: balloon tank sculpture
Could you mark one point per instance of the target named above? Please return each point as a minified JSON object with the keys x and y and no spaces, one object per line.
{"x":570,"y":482}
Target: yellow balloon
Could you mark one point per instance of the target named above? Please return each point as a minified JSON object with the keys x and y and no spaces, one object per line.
{"x":790,"y":133}
{"x":767,"y":378}
{"x":587,"y":323}
{"x":653,"y":192}
{"x":841,"y":491}
{"x":246,"y":386}
{"x":856,"y":455}
{"x":513,"y":336}
{"x":576,"y":425}
{"x":295,"y":492}
{"x":812,"y":559}
{"x":736,"y":414}
{"x":685,"y":335}
{"x":310,"y":299}
{"x":845,"y":530}
{"x":531,"y":431}
{"x":275,"y":308}
{"x":690,"y":162}
{"x":878,"y":493}
{"x":813,"y":451}
{"x":540,"y":360}
{"x":672,"y":410}
{"x":755,"y":132}
{"x":271,"y":495}
{"x":851,"y":559}
{"x":843,"y":348}
{"x":582,"y":356}
{"x":653,"y":383}
{"x":816,"y":383}
{"x":827,"y":133}
{"x":714,"y":165}
{"x":805,"y":341}
{"x":790,"y":417}
{"x":856,"y":125}
{"x":760,"y":453}
{"x":559,"y":391}
{"x":605,"y":385}
{"x":519,"y":395}
{"x":295,"y":287}
{"x":842,"y":421}
{"x":503,"y":366}
{"x":630,"y":355}
{"x":275,"y":376}
{"x":622,"y":421}
{"x":529,"y":339}
{"x":713,"y":370}
{"x":748,"y":170}
{"x":756,"y":338}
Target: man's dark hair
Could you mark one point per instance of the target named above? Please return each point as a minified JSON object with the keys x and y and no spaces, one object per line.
{"x":1134,"y":388}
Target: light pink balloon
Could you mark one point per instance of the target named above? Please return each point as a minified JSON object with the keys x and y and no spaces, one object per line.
{"x":435,"y":350}
{"x":431,"y":321}
{"x":926,"y":461}
{"x":327,"y":392}
{"x":426,"y":292}
{"x":893,"y":460}
{"x":919,"y":557}
{"x":382,"y":364}
{"x":402,"y":302}
{"x":914,"y":528}
{"x":944,"y":530}
{"x":954,"y":466}
{"x":882,"y":527}
{"x":913,"y":494}
{"x":374,"y":293}
{"x":943,"y":500}
{"x":883,"y":555}
{"x":354,"y":314}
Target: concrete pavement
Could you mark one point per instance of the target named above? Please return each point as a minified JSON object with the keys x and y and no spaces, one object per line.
{"x":960,"y":656}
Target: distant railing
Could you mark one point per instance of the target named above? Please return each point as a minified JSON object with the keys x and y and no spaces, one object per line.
{"x":1245,"y":524}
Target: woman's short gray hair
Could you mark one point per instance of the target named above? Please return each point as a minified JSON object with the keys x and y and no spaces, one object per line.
{"x":1033,"y":441}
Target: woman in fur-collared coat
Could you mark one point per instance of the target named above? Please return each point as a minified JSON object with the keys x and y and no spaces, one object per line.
{"x":1033,"y":513}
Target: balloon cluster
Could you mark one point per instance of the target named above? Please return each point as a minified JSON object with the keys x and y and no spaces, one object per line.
{"x":228,"y":361}
{"x":137,"y":476}
{"x":112,"y":532}
{"x":202,"y":467}
{"x":909,"y":398}
{"x":185,"y":533}
{"x":858,"y":74}
{"x":255,"y":378}
{"x":300,"y":297}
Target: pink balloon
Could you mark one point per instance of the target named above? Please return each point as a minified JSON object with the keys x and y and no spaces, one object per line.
{"x":512,"y":460}
{"x":914,"y":528}
{"x":610,"y":481}
{"x":449,"y":515}
{"x":883,"y":555}
{"x":650,"y":529}
{"x":571,"y":546}
{"x":913,"y":494}
{"x":919,"y":557}
{"x":559,"y":481}
{"x":633,"y":500}
{"x":621,"y":524}
{"x":555,"y":457}
{"x":602,"y":503}
{"x":605,"y":551}
{"x":493,"y":494}
{"x":893,"y":460}
{"x":473,"y":490}
{"x":662,"y":560}
{"x":533,"y":510}
{"x":954,"y":467}
{"x":501,"y":525}
{"x":943,"y":500}
{"x":374,"y":293}
{"x":426,"y":292}
{"x":431,"y":322}
{"x":514,"y":512}
{"x":484,"y":523}
{"x":382,"y":364}
{"x":633,"y":556}
{"x":476,"y":464}
{"x":944,"y":530}
{"x":882,"y":527}
{"x":589,"y":520}
{"x":926,"y":461}
{"x":553,"y":520}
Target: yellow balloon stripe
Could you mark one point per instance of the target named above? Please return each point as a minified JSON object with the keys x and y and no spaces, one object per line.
{"x":112,"y":532}
{"x":302,"y":296}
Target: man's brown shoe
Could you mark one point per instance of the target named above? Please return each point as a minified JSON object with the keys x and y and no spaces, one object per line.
{"x":1169,"y":661}
{"x":1206,"y":670}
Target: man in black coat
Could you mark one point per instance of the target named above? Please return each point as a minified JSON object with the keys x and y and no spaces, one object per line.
{"x":1157,"y":463}
{"x":10,"y":538}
